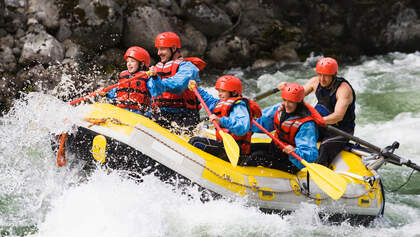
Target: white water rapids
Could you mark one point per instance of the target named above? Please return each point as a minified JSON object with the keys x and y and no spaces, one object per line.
{"x":37,"y":198}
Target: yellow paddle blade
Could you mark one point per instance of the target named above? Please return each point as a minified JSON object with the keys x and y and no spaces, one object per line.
{"x":327,"y":180}
{"x":231,"y":147}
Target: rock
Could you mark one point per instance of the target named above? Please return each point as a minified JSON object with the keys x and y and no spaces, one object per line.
{"x":2,"y":12}
{"x":233,"y":8}
{"x":112,"y":56}
{"x":96,"y":24}
{"x":3,"y":32}
{"x":165,"y":3}
{"x":230,"y":51}
{"x":41,"y":47}
{"x":262,"y":63}
{"x":7,"y":60}
{"x":404,"y":32}
{"x":194,"y":43}
{"x":45,"y":11}
{"x":209,"y":19}
{"x":73,"y":50}
{"x":143,"y":25}
{"x":286,"y":53}
{"x":64,"y":30}
{"x":7,"y":41}
{"x":29,"y":76}
{"x":15,"y":3}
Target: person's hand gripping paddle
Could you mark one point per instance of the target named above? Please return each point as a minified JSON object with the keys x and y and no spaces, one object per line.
{"x":230,"y":145}
{"x":327,"y":180}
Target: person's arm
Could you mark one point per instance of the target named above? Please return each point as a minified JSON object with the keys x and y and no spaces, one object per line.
{"x":238,"y":121}
{"x":208,"y":99}
{"x":306,"y":144}
{"x":112,"y":94}
{"x":344,"y":97}
{"x":310,"y":85}
{"x":177,"y":83}
{"x":267,"y":119}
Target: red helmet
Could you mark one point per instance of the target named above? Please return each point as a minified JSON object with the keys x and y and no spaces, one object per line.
{"x":167,"y":40}
{"x":139,"y":54}
{"x":229,"y":83}
{"x":293,"y":92}
{"x":327,"y":66}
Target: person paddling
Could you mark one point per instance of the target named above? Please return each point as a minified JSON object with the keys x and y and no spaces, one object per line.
{"x":336,"y":103}
{"x":233,"y":112}
{"x":132,"y":95}
{"x":172,"y":100}
{"x":295,"y":124}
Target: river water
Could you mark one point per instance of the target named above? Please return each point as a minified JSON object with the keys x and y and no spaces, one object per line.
{"x":37,"y":198}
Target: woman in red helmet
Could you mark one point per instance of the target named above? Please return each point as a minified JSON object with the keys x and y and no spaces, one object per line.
{"x":172,"y":101}
{"x":295,"y":124}
{"x":133,"y":95}
{"x":233,"y":112}
{"x":336,"y":103}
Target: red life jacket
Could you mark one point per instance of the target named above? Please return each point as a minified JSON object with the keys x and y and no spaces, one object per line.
{"x":133,"y":94}
{"x":287,"y":130}
{"x":185,"y":100}
{"x":224,"y":107}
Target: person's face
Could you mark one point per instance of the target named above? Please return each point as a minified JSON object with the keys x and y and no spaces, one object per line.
{"x":289,"y":106}
{"x":325,"y":80}
{"x":223,"y":94}
{"x":165,"y":54}
{"x":133,"y":65}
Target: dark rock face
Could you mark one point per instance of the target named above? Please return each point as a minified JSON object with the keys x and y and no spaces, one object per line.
{"x":225,"y":33}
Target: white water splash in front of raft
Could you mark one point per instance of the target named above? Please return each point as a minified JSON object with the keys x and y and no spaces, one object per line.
{"x":110,"y":205}
{"x":28,"y":175}
{"x":61,"y":202}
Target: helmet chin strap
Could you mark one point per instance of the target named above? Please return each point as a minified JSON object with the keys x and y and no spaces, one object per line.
{"x":173,"y":53}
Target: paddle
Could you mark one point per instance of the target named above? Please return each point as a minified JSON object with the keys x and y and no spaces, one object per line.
{"x":230,"y":145}
{"x":327,"y":180}
{"x":265,"y":94}
{"x":387,"y":152}
{"x":61,"y":157}
{"x":105,"y":89}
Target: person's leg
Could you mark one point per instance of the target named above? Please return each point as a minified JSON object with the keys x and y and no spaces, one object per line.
{"x":210,"y":146}
{"x":282,"y":162}
{"x":271,"y":156}
{"x":260,"y":155}
{"x":329,"y":149}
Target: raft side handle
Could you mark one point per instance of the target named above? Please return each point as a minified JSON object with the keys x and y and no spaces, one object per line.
{"x":266,"y":194}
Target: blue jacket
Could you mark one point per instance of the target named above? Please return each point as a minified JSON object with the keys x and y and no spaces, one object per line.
{"x":306,"y":138}
{"x":175,"y":84}
{"x":238,"y":121}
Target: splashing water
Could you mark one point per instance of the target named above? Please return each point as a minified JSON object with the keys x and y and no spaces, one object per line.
{"x":39,"y":199}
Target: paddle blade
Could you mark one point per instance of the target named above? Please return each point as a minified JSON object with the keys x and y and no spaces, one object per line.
{"x":231,"y":147}
{"x":327,"y":180}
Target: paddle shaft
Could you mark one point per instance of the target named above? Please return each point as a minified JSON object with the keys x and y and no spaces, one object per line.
{"x":393,"y":158}
{"x":265,"y":94}
{"x":206,"y":108}
{"x":229,"y":143}
{"x":104,"y":90}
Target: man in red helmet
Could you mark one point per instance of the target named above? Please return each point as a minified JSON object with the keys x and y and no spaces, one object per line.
{"x":336,"y":103}
{"x":133,"y":95}
{"x":172,"y":101}
{"x":233,"y":112}
{"x":295,"y":124}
